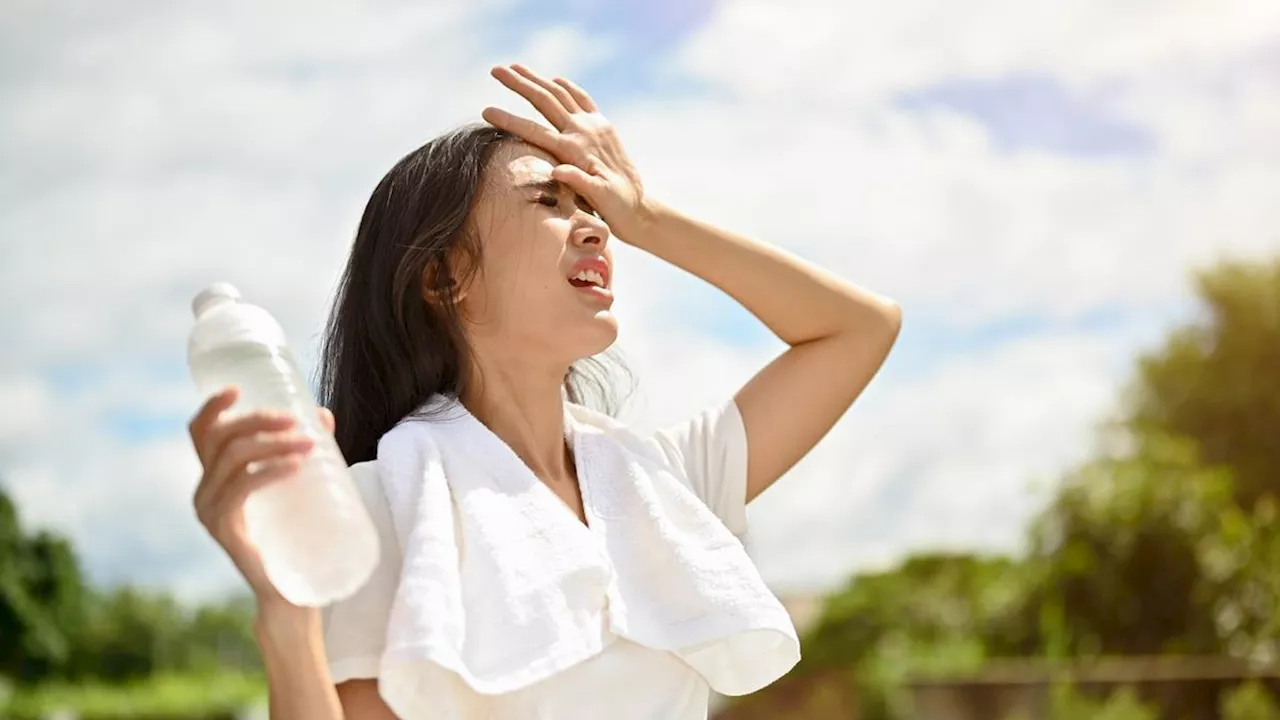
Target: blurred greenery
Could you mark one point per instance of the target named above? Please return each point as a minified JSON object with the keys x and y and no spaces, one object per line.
{"x":120,"y":652}
{"x":160,"y":697}
{"x":1250,"y":701}
{"x":1123,"y":704}
{"x":1066,"y":703}
{"x":1215,"y":382}
{"x":1165,"y":541}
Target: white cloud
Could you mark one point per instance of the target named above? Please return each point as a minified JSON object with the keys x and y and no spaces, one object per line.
{"x":950,"y":457}
{"x":808,"y":150}
{"x":924,"y":207}
{"x":816,"y":50}
{"x":29,"y":409}
{"x":159,"y":151}
{"x":147,"y":152}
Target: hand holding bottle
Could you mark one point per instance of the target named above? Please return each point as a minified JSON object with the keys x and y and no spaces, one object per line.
{"x":240,"y":454}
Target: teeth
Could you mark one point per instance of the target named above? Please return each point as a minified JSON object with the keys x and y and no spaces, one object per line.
{"x":590,"y":276}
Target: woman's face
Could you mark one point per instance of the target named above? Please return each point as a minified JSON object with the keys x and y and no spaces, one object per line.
{"x":544,"y":288}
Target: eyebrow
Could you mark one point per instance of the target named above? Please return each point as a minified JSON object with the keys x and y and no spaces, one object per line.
{"x":548,"y":185}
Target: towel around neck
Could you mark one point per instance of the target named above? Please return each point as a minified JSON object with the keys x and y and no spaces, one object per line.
{"x":502,"y":586}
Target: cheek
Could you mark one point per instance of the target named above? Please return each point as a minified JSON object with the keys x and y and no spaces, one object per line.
{"x":522,"y":268}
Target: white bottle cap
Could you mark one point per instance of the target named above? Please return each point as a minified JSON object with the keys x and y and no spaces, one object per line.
{"x":215,"y":294}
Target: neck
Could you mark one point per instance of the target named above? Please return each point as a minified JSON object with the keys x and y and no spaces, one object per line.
{"x":522,"y":404}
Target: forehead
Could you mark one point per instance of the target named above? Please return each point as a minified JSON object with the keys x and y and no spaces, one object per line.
{"x":517,"y":163}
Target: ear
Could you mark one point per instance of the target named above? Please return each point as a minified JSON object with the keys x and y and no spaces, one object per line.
{"x":437,"y":279}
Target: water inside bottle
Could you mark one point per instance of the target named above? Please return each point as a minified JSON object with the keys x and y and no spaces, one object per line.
{"x":311,"y":531}
{"x":268,"y":377}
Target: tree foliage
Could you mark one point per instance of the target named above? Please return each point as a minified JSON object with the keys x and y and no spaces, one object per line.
{"x":1215,"y":381}
{"x":1169,"y":545}
{"x":53,"y":626}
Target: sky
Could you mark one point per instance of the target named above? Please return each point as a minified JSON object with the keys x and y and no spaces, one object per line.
{"x":1034,"y":182}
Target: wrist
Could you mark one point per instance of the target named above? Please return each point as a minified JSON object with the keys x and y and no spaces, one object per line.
{"x":643,"y":224}
{"x":280,"y":620}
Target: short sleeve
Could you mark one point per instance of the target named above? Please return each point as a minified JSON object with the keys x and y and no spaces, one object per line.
{"x":355,"y":628}
{"x":711,"y":448}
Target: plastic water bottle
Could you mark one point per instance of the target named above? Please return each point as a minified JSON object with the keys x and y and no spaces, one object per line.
{"x":317,"y":542}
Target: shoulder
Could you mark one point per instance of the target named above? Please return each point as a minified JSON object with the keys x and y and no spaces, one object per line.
{"x":368,"y":484}
{"x":436,"y":413}
{"x":619,"y":432}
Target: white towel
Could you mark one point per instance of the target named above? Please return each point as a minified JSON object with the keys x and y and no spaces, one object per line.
{"x":502,"y":586}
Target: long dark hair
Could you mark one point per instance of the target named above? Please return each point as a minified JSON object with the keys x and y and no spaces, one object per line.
{"x":387,"y":350}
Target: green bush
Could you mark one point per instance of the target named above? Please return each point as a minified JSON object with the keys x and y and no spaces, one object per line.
{"x":1249,"y":701}
{"x":1065,"y":703}
{"x":163,"y":697}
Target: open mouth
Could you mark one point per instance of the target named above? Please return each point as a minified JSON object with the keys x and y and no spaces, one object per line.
{"x":590,"y":273}
{"x":588,"y":278}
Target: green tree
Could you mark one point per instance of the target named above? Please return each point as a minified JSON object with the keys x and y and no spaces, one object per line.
{"x":1216,"y":380}
{"x":52,"y":626}
{"x":1250,"y":701}
{"x":130,"y":634}
{"x":935,"y":614}
{"x":1066,"y":703}
{"x":1121,"y":553}
{"x":1169,"y":545}
{"x":929,"y":600}
{"x":221,"y":636}
{"x":41,"y":600}
{"x":1242,"y":561}
{"x":1172,"y":545}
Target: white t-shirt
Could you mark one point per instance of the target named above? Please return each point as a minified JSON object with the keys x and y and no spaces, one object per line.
{"x":626,"y":681}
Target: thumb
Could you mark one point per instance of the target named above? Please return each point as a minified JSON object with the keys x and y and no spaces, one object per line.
{"x":326,"y":420}
{"x":582,"y":182}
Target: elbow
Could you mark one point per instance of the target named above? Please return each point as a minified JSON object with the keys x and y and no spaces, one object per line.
{"x":871,"y":326}
{"x":892,"y":313}
{"x":891,"y":324}
{"x":884,"y":320}
{"x":879,"y":329}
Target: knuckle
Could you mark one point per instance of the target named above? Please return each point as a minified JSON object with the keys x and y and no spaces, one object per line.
{"x":214,"y":432}
{"x":240,"y":447}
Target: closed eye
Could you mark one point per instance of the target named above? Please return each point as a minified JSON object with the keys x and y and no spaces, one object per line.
{"x":552,"y":201}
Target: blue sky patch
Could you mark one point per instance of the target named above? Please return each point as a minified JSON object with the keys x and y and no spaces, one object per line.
{"x":1036,"y":112}
{"x":643,"y":34}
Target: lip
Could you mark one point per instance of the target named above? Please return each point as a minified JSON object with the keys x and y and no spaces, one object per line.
{"x":593,"y":262}
{"x":602,"y":295}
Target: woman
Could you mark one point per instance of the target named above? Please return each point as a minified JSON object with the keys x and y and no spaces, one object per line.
{"x":481,"y":276}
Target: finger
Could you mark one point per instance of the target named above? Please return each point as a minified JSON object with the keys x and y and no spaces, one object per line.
{"x":208,"y":414}
{"x":531,"y":132}
{"x":563,"y":96}
{"x":539,"y":97}
{"x":582,"y":182}
{"x":274,"y":470}
{"x":246,"y":450}
{"x":241,"y":486}
{"x":221,"y":433}
{"x":326,"y":420}
{"x":579,"y":95}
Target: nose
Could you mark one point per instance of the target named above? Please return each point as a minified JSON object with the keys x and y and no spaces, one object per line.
{"x":591,"y":233}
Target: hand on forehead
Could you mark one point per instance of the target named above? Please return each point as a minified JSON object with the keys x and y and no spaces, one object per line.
{"x":524,"y":163}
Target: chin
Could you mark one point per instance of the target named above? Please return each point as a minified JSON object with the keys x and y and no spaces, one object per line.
{"x":596,"y":335}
